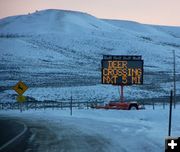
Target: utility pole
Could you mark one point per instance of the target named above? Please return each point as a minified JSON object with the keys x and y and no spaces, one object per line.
{"x":170,"y":113}
{"x":174,"y":76}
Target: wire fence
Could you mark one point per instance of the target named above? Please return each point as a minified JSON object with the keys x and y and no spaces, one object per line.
{"x":48,"y":104}
{"x":162,"y":102}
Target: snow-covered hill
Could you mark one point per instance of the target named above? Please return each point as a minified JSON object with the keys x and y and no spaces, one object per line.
{"x":53,"y":50}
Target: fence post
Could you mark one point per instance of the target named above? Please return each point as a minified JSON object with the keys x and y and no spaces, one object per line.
{"x":78,"y":105}
{"x":44,"y":104}
{"x":35,"y":105}
{"x":163,"y":104}
{"x":87,"y":105}
{"x":61,"y":105}
{"x":53,"y":105}
{"x":71,"y":105}
{"x":153,"y":105}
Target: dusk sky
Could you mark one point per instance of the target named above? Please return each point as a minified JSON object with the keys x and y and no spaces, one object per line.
{"x":162,"y":12}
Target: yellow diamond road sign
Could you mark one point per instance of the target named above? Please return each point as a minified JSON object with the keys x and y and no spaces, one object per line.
{"x":20,"y":87}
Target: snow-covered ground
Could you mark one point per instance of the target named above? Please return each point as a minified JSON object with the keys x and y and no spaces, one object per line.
{"x":111,"y":130}
{"x":101,"y":92}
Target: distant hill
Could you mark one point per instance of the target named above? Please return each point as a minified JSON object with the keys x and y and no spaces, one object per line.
{"x":58,"y":48}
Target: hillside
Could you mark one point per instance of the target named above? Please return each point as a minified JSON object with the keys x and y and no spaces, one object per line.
{"x":56,"y":52}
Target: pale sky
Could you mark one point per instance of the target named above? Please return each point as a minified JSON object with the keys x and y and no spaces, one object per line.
{"x":162,"y":12}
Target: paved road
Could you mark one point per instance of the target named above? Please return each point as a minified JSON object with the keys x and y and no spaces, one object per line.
{"x":53,"y":138}
{"x":8,"y":130}
{"x":62,"y":139}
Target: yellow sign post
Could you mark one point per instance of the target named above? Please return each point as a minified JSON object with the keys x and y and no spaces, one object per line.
{"x":21,"y":98}
{"x":20,"y":87}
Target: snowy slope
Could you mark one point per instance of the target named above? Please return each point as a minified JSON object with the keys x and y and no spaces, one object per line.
{"x":58,"y":48}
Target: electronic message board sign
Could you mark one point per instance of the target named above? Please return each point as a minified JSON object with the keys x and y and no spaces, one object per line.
{"x":122,"y":70}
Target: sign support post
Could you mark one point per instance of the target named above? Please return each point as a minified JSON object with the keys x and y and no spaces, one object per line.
{"x":122,"y":93}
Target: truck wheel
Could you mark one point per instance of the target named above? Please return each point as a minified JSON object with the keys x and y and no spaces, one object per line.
{"x":133,"y":107}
